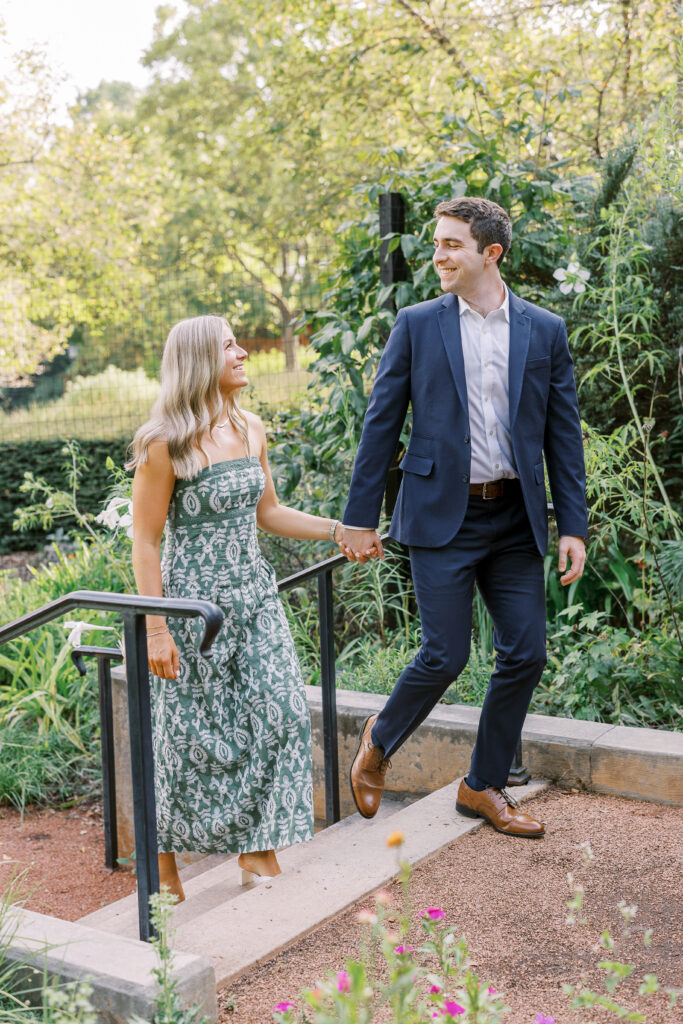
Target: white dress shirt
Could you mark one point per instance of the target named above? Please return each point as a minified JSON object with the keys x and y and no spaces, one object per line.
{"x":486,"y":352}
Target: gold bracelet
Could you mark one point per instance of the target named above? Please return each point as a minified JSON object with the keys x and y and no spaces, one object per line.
{"x":159,"y":632}
{"x":333,"y":529}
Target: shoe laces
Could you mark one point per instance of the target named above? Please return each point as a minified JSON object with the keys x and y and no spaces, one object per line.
{"x":509,"y":799}
{"x":381,"y":764}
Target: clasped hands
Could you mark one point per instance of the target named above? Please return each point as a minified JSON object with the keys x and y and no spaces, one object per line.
{"x":361,"y":545}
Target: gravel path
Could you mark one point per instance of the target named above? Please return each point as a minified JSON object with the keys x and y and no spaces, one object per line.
{"x":508,"y":897}
{"x":62,"y":855}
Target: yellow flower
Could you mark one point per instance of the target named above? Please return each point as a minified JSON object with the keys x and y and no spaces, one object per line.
{"x":395,"y":839}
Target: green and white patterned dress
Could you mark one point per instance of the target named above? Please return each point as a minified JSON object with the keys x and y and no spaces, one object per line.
{"x":232,"y":736}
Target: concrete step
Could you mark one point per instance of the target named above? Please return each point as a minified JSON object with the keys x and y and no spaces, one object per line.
{"x":242,"y":927}
{"x":215,"y":880}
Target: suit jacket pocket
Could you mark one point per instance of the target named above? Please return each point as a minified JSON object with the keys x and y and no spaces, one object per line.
{"x":418,"y":464}
{"x":538,"y":473}
{"x":537,"y":364}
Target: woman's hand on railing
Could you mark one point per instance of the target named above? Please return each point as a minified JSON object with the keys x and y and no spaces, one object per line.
{"x":162,"y":655}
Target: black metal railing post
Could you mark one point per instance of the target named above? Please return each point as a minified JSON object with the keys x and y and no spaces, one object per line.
{"x":142,"y":757}
{"x":392,"y":270}
{"x":329,"y":696}
{"x":105,"y":656}
{"x":518,"y":775}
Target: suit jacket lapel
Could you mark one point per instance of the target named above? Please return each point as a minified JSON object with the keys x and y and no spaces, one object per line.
{"x":449,"y":323}
{"x":520,"y":330}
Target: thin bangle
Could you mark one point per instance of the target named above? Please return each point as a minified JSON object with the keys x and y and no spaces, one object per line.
{"x":159,"y":632}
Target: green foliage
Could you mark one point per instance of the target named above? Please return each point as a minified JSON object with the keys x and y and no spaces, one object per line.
{"x":49,"y":768}
{"x":52,"y":462}
{"x":49,"y":715}
{"x":169,"y":1007}
{"x":602,"y":673}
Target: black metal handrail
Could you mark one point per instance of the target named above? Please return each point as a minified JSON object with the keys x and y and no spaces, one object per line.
{"x":133,"y":610}
{"x":105,"y":656}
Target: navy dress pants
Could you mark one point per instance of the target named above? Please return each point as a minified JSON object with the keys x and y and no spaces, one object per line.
{"x":495,"y":550}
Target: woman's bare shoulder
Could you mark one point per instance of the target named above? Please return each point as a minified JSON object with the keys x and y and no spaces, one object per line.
{"x":158,"y":458}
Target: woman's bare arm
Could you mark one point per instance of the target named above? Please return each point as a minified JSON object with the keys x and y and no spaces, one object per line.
{"x":279,"y":519}
{"x":152,"y":489}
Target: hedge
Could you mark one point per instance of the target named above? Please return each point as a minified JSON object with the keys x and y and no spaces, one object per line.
{"x":46,"y":459}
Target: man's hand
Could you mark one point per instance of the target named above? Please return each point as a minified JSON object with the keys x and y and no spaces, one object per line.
{"x":574,"y":549}
{"x":360,"y":545}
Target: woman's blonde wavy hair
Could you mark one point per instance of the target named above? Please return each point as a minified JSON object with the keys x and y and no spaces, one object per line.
{"x":189,"y":402}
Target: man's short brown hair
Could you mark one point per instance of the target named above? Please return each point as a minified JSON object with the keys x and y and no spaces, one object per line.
{"x":489,"y":223}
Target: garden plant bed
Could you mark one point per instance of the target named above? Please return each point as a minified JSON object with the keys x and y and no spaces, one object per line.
{"x":62,"y":852}
{"x":508,"y":897}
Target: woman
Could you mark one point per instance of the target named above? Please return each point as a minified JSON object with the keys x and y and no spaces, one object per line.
{"x":232,"y":744}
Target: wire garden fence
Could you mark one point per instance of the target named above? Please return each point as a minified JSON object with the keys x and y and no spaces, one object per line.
{"x":100,"y":377}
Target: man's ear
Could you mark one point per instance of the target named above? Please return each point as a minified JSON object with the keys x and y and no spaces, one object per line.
{"x":492,"y":253}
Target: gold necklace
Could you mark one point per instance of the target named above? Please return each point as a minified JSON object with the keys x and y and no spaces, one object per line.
{"x":219,"y":426}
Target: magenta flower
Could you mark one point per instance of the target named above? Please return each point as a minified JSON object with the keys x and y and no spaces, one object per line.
{"x":542,"y":1019}
{"x":404,"y":949}
{"x":454,"y":1009}
{"x":283,"y":1007}
{"x":434,"y":989}
{"x":492,"y":991}
{"x":433,"y":913}
{"x":343,"y":981}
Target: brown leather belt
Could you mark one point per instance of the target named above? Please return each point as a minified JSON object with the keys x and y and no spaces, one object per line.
{"x":488,"y":490}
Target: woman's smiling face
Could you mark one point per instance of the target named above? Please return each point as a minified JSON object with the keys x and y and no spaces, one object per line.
{"x":234,"y":375}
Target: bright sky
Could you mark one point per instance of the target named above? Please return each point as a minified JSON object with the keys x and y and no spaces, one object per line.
{"x":89,"y":40}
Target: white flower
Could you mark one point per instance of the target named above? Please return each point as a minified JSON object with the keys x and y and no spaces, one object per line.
{"x":573,"y":278}
{"x":78,"y":628}
{"x":111,"y":518}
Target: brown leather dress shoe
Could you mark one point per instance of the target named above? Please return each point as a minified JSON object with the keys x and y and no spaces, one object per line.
{"x":499,"y":809}
{"x":367,"y":773}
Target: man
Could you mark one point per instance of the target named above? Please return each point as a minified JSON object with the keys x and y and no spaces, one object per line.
{"x":490,"y":381}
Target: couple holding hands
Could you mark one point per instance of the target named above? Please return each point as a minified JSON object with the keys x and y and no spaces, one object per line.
{"x":490,"y":381}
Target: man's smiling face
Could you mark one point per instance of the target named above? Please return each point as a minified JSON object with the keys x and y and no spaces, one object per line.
{"x":456,"y":258}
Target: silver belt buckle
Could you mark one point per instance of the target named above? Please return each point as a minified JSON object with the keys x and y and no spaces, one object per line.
{"x":484,"y":494}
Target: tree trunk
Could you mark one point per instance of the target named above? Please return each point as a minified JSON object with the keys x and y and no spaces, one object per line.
{"x":290,"y":341}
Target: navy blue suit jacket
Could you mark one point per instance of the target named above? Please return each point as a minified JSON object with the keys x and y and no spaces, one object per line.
{"x":423,"y":365}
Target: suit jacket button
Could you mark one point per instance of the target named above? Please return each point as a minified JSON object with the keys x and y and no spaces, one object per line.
{"x":465,"y":478}
{"x":467,"y":438}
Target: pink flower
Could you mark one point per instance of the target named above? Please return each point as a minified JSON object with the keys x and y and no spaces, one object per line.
{"x":542,"y":1019}
{"x":492,"y":991}
{"x":343,"y":981}
{"x":454,"y":1009}
{"x":433,"y":913}
{"x":433,"y":990}
{"x":404,"y":949}
{"x":283,"y":1007}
